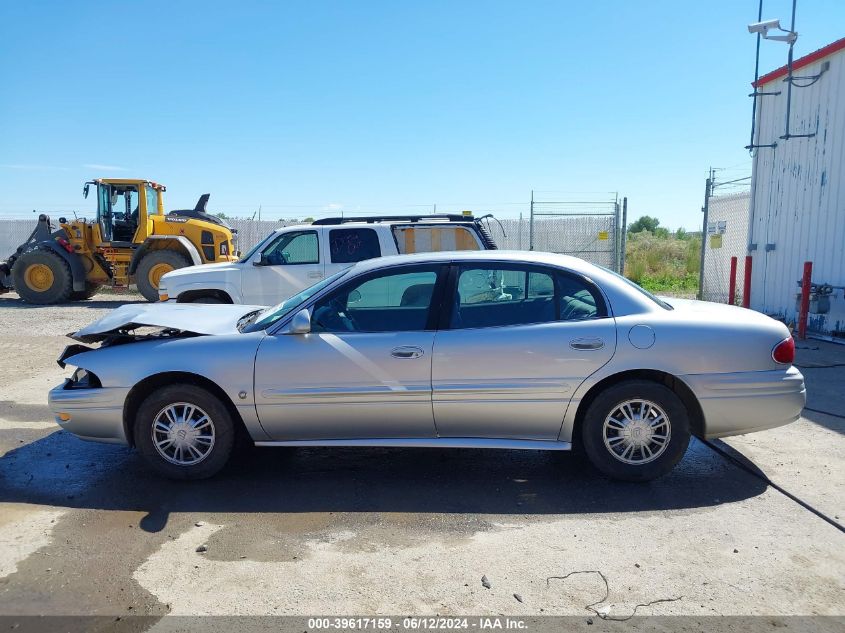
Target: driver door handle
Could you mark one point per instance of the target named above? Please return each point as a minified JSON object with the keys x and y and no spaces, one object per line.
{"x":407,"y":351}
{"x":586,"y":343}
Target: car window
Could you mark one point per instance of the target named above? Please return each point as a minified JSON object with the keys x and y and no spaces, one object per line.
{"x":299,"y":247}
{"x":353,"y":245}
{"x":432,"y":239}
{"x":517,"y":295}
{"x":389,"y":302}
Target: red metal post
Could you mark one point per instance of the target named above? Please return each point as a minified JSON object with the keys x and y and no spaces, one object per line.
{"x":806,"y":282}
{"x":746,"y":284}
{"x":732,"y":283}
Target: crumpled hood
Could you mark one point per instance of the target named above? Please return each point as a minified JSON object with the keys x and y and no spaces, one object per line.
{"x":191,"y":318}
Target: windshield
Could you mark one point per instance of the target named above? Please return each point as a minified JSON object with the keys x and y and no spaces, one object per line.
{"x":640,"y":289}
{"x":266,"y":318}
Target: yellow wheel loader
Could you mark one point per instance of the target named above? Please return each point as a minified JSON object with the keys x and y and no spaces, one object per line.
{"x":131,"y":240}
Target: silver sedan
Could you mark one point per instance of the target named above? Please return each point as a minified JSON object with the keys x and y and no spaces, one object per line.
{"x":497,"y":350}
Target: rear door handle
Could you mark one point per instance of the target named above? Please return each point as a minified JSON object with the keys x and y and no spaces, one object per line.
{"x":586,"y":343}
{"x":406,"y":351}
{"x":315,"y":275}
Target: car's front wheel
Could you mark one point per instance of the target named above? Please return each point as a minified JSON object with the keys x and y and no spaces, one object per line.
{"x":636,"y":430}
{"x":184,"y":432}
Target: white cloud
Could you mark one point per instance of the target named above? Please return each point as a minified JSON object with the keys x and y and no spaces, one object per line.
{"x":98,"y":167}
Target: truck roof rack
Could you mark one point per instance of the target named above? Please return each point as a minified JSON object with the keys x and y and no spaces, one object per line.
{"x":396,"y":218}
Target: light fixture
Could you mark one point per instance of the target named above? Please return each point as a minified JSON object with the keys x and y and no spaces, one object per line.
{"x":763,"y":28}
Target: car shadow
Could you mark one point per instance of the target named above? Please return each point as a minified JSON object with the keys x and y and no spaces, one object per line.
{"x":61,"y":470}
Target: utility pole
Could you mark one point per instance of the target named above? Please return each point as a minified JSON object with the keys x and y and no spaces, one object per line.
{"x":708,"y":190}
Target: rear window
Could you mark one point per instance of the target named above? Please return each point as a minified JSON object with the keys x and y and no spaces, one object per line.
{"x":348,"y":246}
{"x":433,"y":239}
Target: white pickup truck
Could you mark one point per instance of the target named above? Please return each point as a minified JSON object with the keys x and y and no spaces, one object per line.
{"x":295,"y":257}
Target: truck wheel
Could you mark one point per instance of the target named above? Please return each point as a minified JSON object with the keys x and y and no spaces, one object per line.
{"x":43,"y":277}
{"x":82,"y":295}
{"x":153,"y":267}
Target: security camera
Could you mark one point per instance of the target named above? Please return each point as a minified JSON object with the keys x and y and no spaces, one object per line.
{"x":763,"y":27}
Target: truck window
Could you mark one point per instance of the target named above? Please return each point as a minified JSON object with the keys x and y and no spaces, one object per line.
{"x":299,"y":247}
{"x":431,"y":239}
{"x":348,"y":246}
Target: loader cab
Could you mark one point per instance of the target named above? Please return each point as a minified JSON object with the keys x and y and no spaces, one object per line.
{"x":124,"y":206}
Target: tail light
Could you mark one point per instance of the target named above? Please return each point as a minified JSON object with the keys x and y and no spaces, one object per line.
{"x":784,"y":352}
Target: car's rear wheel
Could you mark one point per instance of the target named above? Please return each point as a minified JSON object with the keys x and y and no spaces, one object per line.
{"x":636,"y":430}
{"x":184,"y":432}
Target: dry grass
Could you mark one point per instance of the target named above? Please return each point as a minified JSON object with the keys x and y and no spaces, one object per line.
{"x":663,"y":264}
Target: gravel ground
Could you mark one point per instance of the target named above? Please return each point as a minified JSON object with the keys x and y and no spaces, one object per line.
{"x":85,"y":529}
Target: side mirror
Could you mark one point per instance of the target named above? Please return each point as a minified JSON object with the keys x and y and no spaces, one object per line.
{"x":260,"y":261}
{"x":300,"y":323}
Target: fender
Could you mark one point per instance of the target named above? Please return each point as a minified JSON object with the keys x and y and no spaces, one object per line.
{"x":77,"y":269}
{"x":186,"y":244}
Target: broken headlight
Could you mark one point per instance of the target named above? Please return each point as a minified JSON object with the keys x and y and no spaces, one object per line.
{"x":83,"y":379}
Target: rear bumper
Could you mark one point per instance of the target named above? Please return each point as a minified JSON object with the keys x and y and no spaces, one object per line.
{"x":92,"y":414}
{"x":744,"y":402}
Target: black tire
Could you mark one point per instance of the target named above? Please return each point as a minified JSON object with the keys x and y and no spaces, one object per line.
{"x":149,"y":262}
{"x":60,"y":287}
{"x":83,"y":295}
{"x":604,"y":458}
{"x":223,"y":426}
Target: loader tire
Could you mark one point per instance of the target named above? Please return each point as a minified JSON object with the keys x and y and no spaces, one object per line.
{"x":42,"y":277}
{"x":153,"y":266}
{"x":83,"y":295}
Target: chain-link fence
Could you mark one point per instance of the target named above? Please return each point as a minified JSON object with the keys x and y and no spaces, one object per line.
{"x":13,"y":233}
{"x":590,"y":237}
{"x":589,"y":229}
{"x":726,"y":237}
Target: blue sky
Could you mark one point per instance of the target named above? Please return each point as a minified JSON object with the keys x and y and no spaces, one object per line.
{"x":309,"y":108}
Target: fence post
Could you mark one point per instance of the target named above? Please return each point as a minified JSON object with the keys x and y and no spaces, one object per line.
{"x":806,"y":283}
{"x":624,"y":246}
{"x":707,"y":189}
{"x":732,"y":283}
{"x":617,"y":237}
{"x":746,"y":283}
{"x":531,"y":224}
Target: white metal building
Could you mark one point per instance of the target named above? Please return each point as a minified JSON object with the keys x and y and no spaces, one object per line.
{"x":797,"y":209}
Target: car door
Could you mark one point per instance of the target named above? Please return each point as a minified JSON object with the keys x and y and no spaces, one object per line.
{"x":364,"y":370}
{"x":518,"y":342}
{"x":288,"y":264}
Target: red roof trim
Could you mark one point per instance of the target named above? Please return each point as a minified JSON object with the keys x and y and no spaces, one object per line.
{"x":815,"y":56}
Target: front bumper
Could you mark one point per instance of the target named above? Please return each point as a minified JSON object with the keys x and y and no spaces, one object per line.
{"x":743,"y":402}
{"x":91,"y":414}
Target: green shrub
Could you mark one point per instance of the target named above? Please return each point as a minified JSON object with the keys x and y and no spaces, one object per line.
{"x":662,"y":262}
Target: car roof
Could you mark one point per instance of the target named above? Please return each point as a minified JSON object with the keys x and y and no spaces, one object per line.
{"x":527,"y":257}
